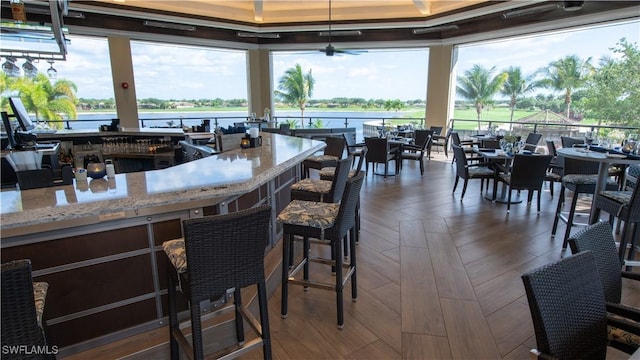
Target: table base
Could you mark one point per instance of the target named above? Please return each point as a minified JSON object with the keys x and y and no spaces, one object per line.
{"x":503,"y":197}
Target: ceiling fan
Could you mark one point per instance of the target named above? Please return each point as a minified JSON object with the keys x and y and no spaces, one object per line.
{"x":329,"y":50}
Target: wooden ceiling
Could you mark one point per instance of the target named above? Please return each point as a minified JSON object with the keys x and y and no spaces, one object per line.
{"x":299,"y":23}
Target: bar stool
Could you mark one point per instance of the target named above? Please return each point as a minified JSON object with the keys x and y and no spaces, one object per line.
{"x":332,"y":153}
{"x":323,"y":190}
{"x":219,"y":254}
{"x":23,"y":303}
{"x":625,"y":205}
{"x":328,"y":224}
{"x":328,"y":173}
{"x":580,"y":177}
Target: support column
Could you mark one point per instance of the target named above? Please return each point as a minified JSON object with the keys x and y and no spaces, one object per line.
{"x":441,"y":85}
{"x":259,"y":74}
{"x":122,"y":73}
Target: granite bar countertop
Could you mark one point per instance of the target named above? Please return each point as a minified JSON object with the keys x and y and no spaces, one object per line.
{"x":182,"y":186}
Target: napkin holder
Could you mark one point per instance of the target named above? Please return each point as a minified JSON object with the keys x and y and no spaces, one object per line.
{"x":255,"y":141}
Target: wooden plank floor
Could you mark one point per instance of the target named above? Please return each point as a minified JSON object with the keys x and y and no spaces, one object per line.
{"x":438,"y":278}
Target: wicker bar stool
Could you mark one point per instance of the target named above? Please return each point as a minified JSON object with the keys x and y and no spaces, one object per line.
{"x":23,"y":302}
{"x":579,"y":177}
{"x":328,"y":224}
{"x":323,"y":190}
{"x":332,"y":153}
{"x":220,"y":254}
{"x":328,"y":173}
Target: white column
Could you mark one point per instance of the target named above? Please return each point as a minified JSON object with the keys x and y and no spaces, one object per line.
{"x":260,"y":86}
{"x":123,"y":82}
{"x":441,"y":85}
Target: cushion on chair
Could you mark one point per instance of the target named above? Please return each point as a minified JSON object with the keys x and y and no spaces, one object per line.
{"x":329,"y":171}
{"x":623,"y":197}
{"x":621,"y":336}
{"x":176,"y":254}
{"x":39,"y":296}
{"x":479,"y":171}
{"x":310,"y":213}
{"x":321,"y":158}
{"x":313,"y":185}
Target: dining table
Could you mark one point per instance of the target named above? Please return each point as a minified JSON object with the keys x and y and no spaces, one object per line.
{"x":500,"y":159}
{"x":604,"y":158}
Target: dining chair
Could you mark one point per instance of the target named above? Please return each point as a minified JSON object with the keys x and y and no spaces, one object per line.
{"x":568,"y":142}
{"x":437,"y":130}
{"x":332,"y":152}
{"x":569,"y":312}
{"x":353,"y":148}
{"x":417,"y":151}
{"x":379,"y":152}
{"x":556,"y":167}
{"x":579,"y":177}
{"x":598,"y":238}
{"x":466,"y":171}
{"x":466,"y":145}
{"x":527,"y":172}
{"x":439,"y":141}
{"x":531,"y":142}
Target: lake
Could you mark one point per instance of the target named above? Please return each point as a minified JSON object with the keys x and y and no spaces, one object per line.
{"x":227,"y":118}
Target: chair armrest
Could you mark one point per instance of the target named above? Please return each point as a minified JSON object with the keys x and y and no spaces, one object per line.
{"x":625,"y":311}
{"x":630,"y":275}
{"x":358,"y":145}
{"x":412,"y":147}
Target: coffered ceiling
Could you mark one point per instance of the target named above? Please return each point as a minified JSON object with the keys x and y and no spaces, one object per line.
{"x":299,"y":24}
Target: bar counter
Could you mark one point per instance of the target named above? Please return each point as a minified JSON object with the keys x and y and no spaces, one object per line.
{"x":98,"y":244}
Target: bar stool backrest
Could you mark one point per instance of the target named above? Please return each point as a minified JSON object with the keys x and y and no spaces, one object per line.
{"x":225,"y":251}
{"x":346,"y":215}
{"x":340,"y":178}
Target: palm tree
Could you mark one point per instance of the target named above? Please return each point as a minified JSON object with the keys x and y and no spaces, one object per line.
{"x":48,"y":101}
{"x":295,"y":88}
{"x":567,"y":74}
{"x":516,"y":86}
{"x":479,"y":86}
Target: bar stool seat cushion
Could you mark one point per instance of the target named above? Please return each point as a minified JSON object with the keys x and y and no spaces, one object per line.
{"x":584,"y":179}
{"x":623,"y":197}
{"x":622,"y":336}
{"x":475,"y":172}
{"x":318,"y":215}
{"x":39,"y":296}
{"x":313,"y":185}
{"x":321,"y":158}
{"x":329,"y":171}
{"x":176,"y":253}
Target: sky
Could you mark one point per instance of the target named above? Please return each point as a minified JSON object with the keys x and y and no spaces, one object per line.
{"x":179,"y":72}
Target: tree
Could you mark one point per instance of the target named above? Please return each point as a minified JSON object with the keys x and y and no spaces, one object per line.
{"x":567,"y":74}
{"x":295,"y":88}
{"x":515,"y":86}
{"x":48,"y":101}
{"x":396,"y":105}
{"x":479,"y":86}
{"x":613,"y":94}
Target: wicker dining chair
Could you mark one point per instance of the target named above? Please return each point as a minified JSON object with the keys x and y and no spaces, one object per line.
{"x":527,"y":172}
{"x":466,"y":171}
{"x":569,"y":312}
{"x":219,"y":255}
{"x":417,"y":151}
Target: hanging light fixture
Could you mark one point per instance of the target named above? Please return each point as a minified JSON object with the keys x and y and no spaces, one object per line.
{"x":29,"y":69}
{"x":51,"y":72}
{"x":10,"y":67}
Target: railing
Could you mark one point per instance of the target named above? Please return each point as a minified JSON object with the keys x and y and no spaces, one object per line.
{"x":370,"y":125}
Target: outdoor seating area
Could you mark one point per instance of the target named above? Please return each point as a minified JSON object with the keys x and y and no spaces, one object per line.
{"x":464,"y":261}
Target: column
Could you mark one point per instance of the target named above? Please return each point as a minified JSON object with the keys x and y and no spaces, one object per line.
{"x":123,"y":83}
{"x":440,"y":85}
{"x":259,"y":75}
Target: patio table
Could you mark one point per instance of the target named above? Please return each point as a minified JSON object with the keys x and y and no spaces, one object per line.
{"x":604,"y":160}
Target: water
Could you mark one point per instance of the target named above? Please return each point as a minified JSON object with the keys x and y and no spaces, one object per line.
{"x":330,"y":119}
